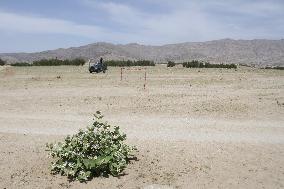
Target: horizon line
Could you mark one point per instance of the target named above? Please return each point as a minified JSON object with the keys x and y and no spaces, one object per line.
{"x":136,"y":43}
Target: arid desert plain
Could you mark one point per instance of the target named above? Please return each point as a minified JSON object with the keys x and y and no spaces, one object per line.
{"x":194,"y":128}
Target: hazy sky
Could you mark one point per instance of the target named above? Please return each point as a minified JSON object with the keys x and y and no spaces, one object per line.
{"x":35,"y":25}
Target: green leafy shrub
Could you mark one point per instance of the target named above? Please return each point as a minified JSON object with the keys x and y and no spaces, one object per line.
{"x":122,"y":63}
{"x":97,"y":150}
{"x":2,"y":62}
{"x":171,"y":64}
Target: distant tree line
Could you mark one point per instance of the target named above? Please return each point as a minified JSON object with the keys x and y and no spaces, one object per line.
{"x":201,"y":64}
{"x":52,"y":62}
{"x":276,"y":67}
{"x":123,"y":63}
{"x":21,"y":64}
{"x":2,"y":62}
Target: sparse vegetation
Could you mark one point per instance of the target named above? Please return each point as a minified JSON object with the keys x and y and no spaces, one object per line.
{"x":97,"y":150}
{"x":57,"y":62}
{"x":2,"y":62}
{"x":201,"y":64}
{"x":171,"y":64}
{"x":276,"y":67}
{"x":52,"y":62}
{"x":21,"y":64}
{"x":122,"y":63}
{"x":247,"y":65}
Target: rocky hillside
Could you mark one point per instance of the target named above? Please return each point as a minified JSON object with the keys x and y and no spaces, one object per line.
{"x":251,"y":52}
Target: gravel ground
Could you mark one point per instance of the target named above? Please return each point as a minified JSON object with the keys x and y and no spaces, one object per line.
{"x":194,"y":128}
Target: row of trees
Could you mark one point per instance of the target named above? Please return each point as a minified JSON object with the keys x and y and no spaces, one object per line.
{"x":201,"y":64}
{"x":52,"y":62}
{"x":57,"y":62}
{"x":21,"y":64}
{"x":122,"y":63}
{"x":276,"y":67}
{"x":80,"y":61}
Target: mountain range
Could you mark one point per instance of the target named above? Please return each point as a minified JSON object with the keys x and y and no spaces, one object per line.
{"x":258,"y":52}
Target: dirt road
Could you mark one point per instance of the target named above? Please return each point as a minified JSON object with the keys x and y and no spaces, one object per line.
{"x":195,"y":128}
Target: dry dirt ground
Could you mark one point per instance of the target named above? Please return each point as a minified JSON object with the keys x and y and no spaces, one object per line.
{"x":194,"y":128}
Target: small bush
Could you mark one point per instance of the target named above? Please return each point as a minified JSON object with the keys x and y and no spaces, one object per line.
{"x":171,"y":64}
{"x":2,"y":62}
{"x":97,"y":150}
{"x":123,"y":63}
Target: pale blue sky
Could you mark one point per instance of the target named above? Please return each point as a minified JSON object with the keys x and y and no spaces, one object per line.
{"x":36,"y":25}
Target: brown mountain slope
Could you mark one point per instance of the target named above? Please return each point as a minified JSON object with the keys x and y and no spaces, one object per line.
{"x":257,"y":52}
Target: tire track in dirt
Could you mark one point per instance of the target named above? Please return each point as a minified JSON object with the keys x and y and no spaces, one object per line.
{"x":151,"y":128}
